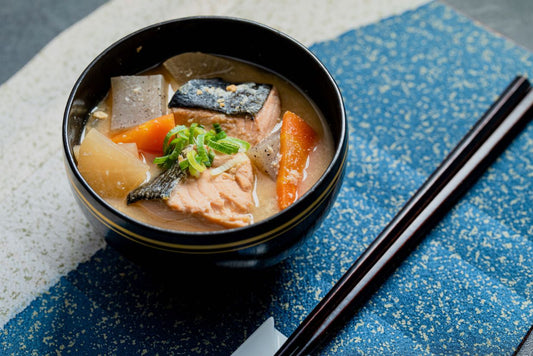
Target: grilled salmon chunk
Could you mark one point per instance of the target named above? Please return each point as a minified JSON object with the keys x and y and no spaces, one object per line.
{"x":251,"y":128}
{"x":224,"y":199}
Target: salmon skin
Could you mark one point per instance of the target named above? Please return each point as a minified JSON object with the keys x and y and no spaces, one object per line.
{"x":160,"y":187}
{"x":218,"y":95}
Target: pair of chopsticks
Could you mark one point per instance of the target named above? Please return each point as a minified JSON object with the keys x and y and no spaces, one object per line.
{"x":459,"y":170}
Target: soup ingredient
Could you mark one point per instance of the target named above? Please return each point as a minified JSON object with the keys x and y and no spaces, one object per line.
{"x":203,"y":142}
{"x":160,"y":187}
{"x":221,"y":96}
{"x":186,"y":66}
{"x":225,"y":198}
{"x":219,"y":185}
{"x":111,"y":170}
{"x":297,"y":139}
{"x":188,"y":150}
{"x":265,"y":155}
{"x":148,"y":136}
{"x":148,"y":200}
{"x":137,"y":99}
{"x":252,"y":131}
{"x":131,"y":148}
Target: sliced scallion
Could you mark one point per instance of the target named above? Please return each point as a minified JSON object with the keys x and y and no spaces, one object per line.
{"x":200,"y":146}
{"x":223,"y":147}
{"x":193,"y":162}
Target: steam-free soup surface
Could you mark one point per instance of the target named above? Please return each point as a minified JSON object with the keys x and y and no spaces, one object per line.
{"x":118,"y":161}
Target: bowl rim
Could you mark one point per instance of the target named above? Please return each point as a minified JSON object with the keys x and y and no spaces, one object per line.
{"x":340,"y":148}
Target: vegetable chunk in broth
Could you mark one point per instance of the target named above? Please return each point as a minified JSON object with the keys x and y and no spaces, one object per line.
{"x":210,"y":158}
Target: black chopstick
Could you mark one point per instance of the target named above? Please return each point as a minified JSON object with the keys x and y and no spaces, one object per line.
{"x":459,"y":170}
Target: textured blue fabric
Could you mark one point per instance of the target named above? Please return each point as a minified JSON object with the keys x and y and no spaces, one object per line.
{"x":413,"y":86}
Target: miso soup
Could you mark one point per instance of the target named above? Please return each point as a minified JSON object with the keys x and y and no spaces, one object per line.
{"x":202,"y":143}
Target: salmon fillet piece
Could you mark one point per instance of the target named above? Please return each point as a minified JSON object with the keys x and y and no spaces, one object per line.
{"x":224,"y":199}
{"x":244,"y":127}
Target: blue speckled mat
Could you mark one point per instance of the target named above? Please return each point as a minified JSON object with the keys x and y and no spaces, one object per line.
{"x":413,"y":86}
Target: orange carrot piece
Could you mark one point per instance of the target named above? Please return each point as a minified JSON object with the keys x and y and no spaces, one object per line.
{"x":148,"y":136}
{"x":297,"y":139}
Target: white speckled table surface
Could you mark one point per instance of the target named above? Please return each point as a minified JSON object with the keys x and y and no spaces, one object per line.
{"x":470,"y":284}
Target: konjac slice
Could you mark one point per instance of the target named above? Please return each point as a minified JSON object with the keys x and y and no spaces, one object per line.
{"x":137,"y":99}
{"x":111,"y":170}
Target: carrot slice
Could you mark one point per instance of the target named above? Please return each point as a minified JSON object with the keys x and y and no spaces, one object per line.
{"x":148,"y":136}
{"x":297,"y":139}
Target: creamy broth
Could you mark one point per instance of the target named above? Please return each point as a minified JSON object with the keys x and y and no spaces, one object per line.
{"x":157,"y":213}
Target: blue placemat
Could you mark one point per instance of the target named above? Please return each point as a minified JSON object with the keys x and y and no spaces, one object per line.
{"x":413,"y":85}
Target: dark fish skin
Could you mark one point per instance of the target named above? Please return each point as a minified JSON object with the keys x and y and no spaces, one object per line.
{"x":159,"y":188}
{"x":218,"y":95}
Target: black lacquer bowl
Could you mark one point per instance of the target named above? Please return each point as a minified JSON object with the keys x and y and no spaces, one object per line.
{"x":259,"y":245}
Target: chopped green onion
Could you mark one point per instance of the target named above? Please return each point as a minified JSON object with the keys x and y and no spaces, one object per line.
{"x":171,"y":133}
{"x":191,"y":132}
{"x":243,"y":145}
{"x":223,"y":147}
{"x":205,"y":144}
{"x":160,"y":160}
{"x":193,"y":172}
{"x":191,"y":157}
{"x":211,"y":155}
{"x":220,"y":135}
{"x":184,"y":165}
{"x":200,"y":147}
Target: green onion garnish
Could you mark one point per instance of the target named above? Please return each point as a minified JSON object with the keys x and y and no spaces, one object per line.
{"x":201,"y":144}
{"x":223,"y":147}
{"x":193,"y":163}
